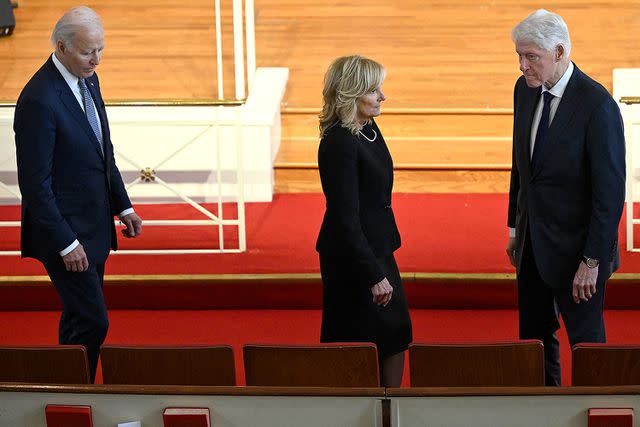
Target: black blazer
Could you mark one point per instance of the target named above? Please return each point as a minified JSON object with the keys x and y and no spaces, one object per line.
{"x":572,"y":201}
{"x":357,"y":179}
{"x":70,"y":190}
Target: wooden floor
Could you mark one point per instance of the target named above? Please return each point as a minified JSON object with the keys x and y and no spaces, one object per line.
{"x":451,"y":67}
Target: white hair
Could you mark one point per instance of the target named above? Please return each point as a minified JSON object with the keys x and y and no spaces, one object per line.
{"x":72,"y":21}
{"x":545,"y":29}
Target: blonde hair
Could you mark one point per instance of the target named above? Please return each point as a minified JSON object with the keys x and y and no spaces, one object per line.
{"x":347,"y":79}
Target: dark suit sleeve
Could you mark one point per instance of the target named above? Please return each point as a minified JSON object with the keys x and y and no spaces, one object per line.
{"x":514,"y":186}
{"x":35,"y":131}
{"x":338,"y":161}
{"x":606,"y":155}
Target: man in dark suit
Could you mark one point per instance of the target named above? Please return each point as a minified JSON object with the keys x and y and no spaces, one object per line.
{"x":71,"y":188}
{"x":567,"y":190}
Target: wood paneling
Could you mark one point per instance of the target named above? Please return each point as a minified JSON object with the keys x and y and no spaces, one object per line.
{"x":517,"y":364}
{"x":454,"y":54}
{"x":187,"y":365}
{"x":330,"y":365}
{"x":605,"y":365}
{"x":406,"y":181}
{"x":44,"y":364}
{"x":444,"y":54}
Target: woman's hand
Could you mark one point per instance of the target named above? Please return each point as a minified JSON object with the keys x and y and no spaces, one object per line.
{"x":382,"y":292}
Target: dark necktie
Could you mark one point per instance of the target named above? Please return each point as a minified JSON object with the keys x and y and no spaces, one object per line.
{"x":543,"y":127}
{"x":90,"y":111}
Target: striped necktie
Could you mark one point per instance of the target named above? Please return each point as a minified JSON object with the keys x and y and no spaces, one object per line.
{"x":90,"y":111}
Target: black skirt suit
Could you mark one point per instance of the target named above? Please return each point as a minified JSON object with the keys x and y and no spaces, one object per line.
{"x":356,"y":242}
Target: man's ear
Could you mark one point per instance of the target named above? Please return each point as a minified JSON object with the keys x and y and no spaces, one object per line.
{"x":559,"y":52}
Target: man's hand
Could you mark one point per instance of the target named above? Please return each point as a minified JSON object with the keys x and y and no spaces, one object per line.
{"x":133,"y":225}
{"x":511,"y":250}
{"x":382,"y":292}
{"x":76,"y":260}
{"x":584,"y":283}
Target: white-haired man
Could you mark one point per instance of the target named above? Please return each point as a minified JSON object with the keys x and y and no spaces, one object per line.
{"x":567,"y":190}
{"x":71,"y":188}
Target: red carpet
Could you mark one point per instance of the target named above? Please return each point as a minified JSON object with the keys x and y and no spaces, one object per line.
{"x":442,"y":233}
{"x":238,"y":327}
{"x":454,"y":233}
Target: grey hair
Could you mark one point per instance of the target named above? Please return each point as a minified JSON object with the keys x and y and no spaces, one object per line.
{"x":546,"y":29}
{"x":347,"y":79}
{"x":80,"y":17}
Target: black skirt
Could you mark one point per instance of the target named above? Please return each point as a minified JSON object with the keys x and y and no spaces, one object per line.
{"x":349,"y":313}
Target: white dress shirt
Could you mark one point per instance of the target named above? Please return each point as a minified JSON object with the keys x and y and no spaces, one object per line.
{"x":72,"y":81}
{"x":557,"y":91}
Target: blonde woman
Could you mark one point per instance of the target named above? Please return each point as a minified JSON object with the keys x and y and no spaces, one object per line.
{"x":363,"y":298}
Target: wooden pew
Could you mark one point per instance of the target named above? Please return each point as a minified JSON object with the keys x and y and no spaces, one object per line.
{"x":44,"y":364}
{"x":477,"y":365}
{"x":331,"y":365}
{"x":175,"y":365}
{"x":605,"y":365}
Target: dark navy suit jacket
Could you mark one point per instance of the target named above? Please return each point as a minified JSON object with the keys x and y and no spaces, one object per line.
{"x":357,"y":180}
{"x":70,"y":190}
{"x":571,"y":201}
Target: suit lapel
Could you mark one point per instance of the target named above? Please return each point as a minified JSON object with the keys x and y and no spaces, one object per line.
{"x":529,"y":107}
{"x":566,"y":109}
{"x":71,"y":104}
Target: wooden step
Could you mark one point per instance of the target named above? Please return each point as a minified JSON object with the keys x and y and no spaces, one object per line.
{"x":434,"y":150}
{"x":307,"y":180}
{"x":414,"y":122}
{"x":411,"y":152}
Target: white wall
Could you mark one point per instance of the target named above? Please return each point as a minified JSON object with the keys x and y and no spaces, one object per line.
{"x":626,"y":82}
{"x":26,"y":409}
{"x":181,"y":144}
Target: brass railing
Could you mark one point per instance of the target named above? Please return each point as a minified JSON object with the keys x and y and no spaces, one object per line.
{"x":630,"y":100}
{"x":159,"y":103}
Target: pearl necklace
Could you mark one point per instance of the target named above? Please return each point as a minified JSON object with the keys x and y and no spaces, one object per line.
{"x":375,"y":135}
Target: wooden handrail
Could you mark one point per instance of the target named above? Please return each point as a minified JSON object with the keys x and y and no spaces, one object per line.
{"x":321,"y":391}
{"x":298,"y":278}
{"x":159,"y":103}
{"x":409,"y":166}
{"x":510,"y":391}
{"x":442,"y":111}
{"x":194,"y":390}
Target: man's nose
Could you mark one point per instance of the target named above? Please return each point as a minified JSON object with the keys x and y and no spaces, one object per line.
{"x":524,"y":65}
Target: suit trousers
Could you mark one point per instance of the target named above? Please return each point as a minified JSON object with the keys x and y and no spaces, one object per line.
{"x":84,"y":318}
{"x":539,"y":306}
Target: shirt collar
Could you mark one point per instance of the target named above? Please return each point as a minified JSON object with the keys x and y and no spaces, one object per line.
{"x":558,"y":89}
{"x":71,"y":80}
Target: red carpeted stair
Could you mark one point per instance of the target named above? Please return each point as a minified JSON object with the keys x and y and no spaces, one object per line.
{"x":463,"y":235}
{"x":446,"y":233}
